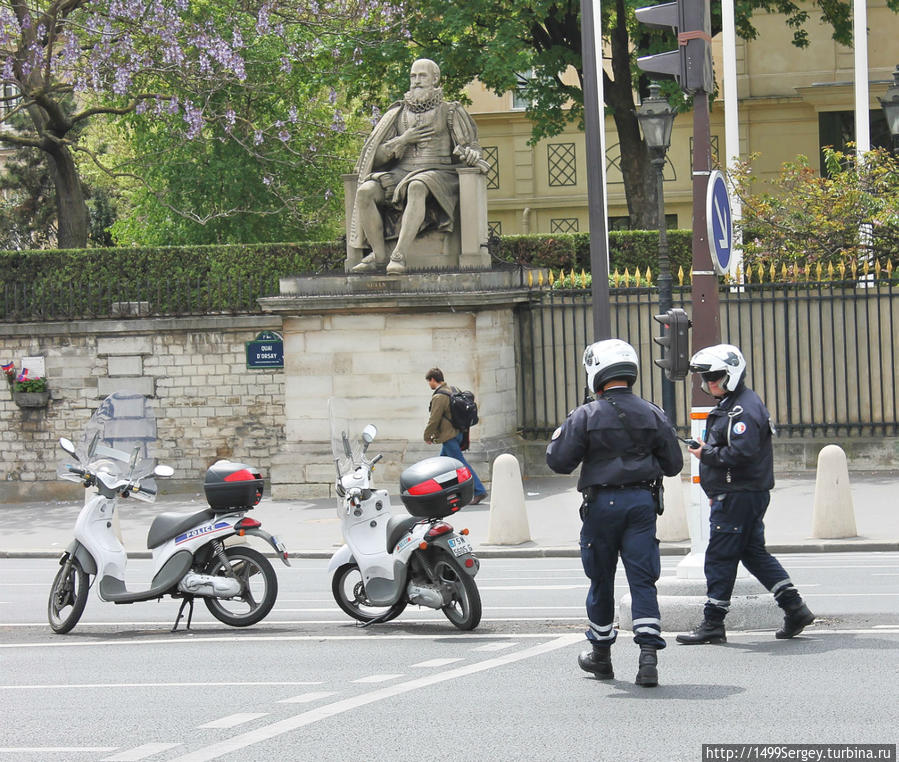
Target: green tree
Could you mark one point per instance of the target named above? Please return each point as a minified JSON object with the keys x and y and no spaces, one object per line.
{"x":67,"y":63}
{"x":497,"y":40}
{"x":849,"y":214}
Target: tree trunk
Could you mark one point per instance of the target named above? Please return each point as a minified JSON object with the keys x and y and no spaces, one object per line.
{"x":639,"y":181}
{"x":71,"y":209}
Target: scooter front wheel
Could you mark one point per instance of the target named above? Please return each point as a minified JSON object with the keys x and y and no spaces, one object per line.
{"x":464,"y":608}
{"x":68,"y":597}
{"x":349,"y":592}
{"x":258,"y":582}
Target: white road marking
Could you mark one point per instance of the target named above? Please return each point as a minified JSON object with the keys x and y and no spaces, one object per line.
{"x":54,"y":749}
{"x":306,"y":698}
{"x":376,"y":678}
{"x":105,"y":686}
{"x":494,"y":646}
{"x":140,"y":752}
{"x":582,"y":586}
{"x":435,"y":663}
{"x":233,"y":720}
{"x":231,"y":745}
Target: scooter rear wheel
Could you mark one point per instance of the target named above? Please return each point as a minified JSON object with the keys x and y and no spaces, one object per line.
{"x":349,"y":592}
{"x":259,"y":587}
{"x":464,"y":610}
{"x":68,"y":597}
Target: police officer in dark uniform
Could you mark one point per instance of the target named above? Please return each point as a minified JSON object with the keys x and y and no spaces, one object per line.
{"x":624,"y":444}
{"x":736,"y":472}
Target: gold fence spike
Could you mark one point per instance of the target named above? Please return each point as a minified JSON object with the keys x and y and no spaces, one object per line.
{"x":853,"y":268}
{"x":842,"y":269}
{"x":772,"y":273}
{"x":761,"y":272}
{"x":627,"y":277}
{"x":866,"y":267}
{"x":830,"y":271}
{"x":530,"y":278}
{"x":680,"y":275}
{"x":818,"y":271}
{"x":889,"y":269}
{"x":784,"y":275}
{"x":540,"y":279}
{"x":648,"y":276}
{"x":583,"y":278}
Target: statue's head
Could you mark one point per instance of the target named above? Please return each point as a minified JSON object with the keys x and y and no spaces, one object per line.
{"x":424,"y":75}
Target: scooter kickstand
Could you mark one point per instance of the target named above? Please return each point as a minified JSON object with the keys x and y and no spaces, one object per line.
{"x":188,"y":599}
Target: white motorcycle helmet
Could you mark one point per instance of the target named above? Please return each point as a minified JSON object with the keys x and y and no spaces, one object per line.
{"x":608,"y":359}
{"x":722,"y":360}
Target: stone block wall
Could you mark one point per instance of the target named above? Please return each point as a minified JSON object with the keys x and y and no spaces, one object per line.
{"x":208,"y":404}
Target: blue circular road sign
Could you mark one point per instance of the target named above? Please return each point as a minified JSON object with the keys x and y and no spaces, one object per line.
{"x":719,"y":222}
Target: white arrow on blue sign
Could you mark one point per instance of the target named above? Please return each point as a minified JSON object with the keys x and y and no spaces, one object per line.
{"x":719,"y":222}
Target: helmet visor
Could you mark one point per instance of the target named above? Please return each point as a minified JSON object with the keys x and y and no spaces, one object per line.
{"x":713,"y":375}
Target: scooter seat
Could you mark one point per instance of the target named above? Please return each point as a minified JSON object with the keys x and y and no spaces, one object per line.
{"x":397,"y":526}
{"x":168,"y":525}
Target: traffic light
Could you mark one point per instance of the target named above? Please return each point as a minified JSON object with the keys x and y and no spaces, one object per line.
{"x":691,"y":63}
{"x":675,"y":343}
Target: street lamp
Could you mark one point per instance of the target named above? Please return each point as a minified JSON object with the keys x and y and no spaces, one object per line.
{"x":656,"y":118}
{"x":890,"y":105}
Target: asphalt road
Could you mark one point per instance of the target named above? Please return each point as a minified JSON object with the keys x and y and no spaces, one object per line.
{"x":307,"y":684}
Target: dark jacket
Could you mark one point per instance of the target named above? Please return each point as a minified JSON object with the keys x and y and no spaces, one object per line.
{"x":738,"y":456}
{"x":594,"y":435}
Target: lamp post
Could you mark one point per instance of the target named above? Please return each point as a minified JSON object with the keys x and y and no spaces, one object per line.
{"x":656,"y":118}
{"x":890,"y":105}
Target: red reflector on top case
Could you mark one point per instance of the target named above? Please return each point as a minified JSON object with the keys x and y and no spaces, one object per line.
{"x":244,"y":475}
{"x":463,"y":474}
{"x":425,"y":488}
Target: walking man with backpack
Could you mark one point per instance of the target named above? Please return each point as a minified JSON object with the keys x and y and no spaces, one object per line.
{"x":443,"y":430}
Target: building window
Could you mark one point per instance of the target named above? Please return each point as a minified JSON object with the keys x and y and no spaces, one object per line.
{"x":519,"y":102}
{"x":716,"y":157}
{"x":491,"y":156}
{"x":494,"y":228}
{"x":563,"y":225}
{"x":9,"y":98}
{"x":836,"y":129}
{"x":561,"y":160}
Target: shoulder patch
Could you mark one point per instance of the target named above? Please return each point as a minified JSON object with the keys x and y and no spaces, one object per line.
{"x":739,"y":427}
{"x":557,"y":432}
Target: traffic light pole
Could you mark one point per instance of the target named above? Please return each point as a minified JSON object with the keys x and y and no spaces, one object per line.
{"x":706,"y":332}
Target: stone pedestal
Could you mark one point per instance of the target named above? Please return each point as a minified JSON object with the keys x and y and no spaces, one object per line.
{"x":370,"y":340}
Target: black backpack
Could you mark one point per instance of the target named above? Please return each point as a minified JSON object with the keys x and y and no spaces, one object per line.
{"x":463,"y":408}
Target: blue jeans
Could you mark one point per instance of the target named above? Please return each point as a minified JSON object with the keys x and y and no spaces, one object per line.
{"x":453,"y":448}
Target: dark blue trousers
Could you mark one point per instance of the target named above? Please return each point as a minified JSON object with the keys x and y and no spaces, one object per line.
{"x":622,"y":522}
{"x":453,"y":448}
{"x":737,"y":533}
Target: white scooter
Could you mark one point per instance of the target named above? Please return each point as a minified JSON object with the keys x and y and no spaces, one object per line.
{"x":237,"y":583}
{"x":390,"y":561}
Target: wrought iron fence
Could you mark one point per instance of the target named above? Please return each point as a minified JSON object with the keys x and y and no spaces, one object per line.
{"x":821,"y":354}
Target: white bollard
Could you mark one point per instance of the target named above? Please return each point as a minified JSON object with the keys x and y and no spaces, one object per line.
{"x":834,"y":514}
{"x":508,"y":523}
{"x":671,"y":526}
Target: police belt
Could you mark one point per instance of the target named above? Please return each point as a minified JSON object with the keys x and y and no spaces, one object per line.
{"x":592,"y":492}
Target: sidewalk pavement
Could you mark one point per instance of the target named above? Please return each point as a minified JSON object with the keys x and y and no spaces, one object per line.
{"x":311,"y":529}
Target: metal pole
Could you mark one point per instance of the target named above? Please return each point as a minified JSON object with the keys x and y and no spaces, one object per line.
{"x":593,"y":123}
{"x":669,"y":403}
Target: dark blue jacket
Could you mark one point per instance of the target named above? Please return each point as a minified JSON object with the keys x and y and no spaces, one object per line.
{"x":594,"y":435}
{"x":738,"y":456}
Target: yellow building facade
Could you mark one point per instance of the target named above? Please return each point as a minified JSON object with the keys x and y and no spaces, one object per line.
{"x":791,"y":101}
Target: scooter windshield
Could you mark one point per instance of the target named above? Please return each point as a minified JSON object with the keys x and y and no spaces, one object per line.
{"x":346,"y":445}
{"x":117,"y":439}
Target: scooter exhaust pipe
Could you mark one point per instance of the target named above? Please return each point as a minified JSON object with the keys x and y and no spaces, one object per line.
{"x":423,"y":595}
{"x":209,"y":585}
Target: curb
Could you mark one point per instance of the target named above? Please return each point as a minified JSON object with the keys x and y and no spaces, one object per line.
{"x":563,"y":551}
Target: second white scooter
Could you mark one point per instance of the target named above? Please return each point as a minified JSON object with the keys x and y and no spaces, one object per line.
{"x":390,"y":561}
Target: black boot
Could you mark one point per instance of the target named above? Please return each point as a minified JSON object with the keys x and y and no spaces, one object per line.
{"x":648,"y":674}
{"x":707,"y":632}
{"x":795,"y":621}
{"x":597,"y":660}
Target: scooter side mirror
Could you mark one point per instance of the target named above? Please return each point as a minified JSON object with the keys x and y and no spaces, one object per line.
{"x":369,"y":433}
{"x":162,"y":470}
{"x":67,"y":445}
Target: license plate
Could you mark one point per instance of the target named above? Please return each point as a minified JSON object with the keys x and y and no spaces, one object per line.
{"x":459,"y":546}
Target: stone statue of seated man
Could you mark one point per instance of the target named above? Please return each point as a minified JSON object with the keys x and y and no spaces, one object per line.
{"x":407,"y":181}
